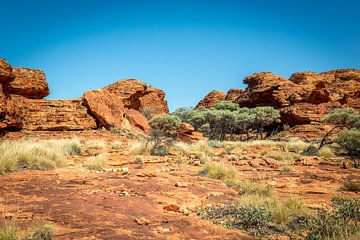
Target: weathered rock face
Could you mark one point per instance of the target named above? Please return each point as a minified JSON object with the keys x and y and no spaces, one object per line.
{"x":233,"y":94}
{"x":137,"y":120}
{"x":22,"y":106}
{"x":306,"y":97}
{"x":5,"y":71}
{"x":309,"y":132}
{"x":29,"y":83}
{"x":107,"y":108}
{"x":56,"y":115}
{"x":2,"y":103}
{"x":137,"y":95}
{"x":212,"y":99}
{"x":187,"y":133}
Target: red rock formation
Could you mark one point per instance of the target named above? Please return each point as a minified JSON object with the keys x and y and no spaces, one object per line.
{"x":107,"y":108}
{"x":5,"y":71}
{"x":137,"y":120}
{"x":187,"y":133}
{"x":137,"y":95}
{"x":233,"y":94}
{"x":29,"y":83}
{"x":211,"y":99}
{"x":56,"y":115}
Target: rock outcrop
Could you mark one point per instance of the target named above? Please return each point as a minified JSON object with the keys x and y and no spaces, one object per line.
{"x":187,"y":133}
{"x":233,"y":94}
{"x":304,"y":98}
{"x":107,"y":108}
{"x":211,"y":99}
{"x":55,"y":115}
{"x":30,"y":83}
{"x":5,"y":72}
{"x":138,"y":95}
{"x":22,"y":106}
{"x":137,"y":120}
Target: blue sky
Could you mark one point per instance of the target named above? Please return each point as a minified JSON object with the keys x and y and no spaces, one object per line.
{"x":186,"y":48}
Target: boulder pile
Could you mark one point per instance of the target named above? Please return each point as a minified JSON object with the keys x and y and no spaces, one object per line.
{"x":303,"y":99}
{"x":23,"y":107}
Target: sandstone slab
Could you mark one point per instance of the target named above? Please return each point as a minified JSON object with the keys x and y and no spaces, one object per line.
{"x":30,"y":83}
{"x":107,"y":108}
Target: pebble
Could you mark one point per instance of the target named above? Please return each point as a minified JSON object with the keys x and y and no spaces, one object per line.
{"x":179,"y":184}
{"x":142,"y":221}
{"x":172,"y":208}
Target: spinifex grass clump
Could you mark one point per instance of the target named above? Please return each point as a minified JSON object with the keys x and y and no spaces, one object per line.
{"x":36,"y":154}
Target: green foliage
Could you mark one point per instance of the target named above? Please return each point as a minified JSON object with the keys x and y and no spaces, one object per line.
{"x":227,"y":105}
{"x":341,"y":223}
{"x":227,"y":119}
{"x":167,"y":124}
{"x":344,"y":117}
{"x":349,"y":141}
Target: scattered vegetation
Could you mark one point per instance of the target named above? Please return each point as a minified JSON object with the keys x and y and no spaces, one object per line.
{"x":227,"y":120}
{"x":348,"y":139}
{"x":96,"y":163}
{"x":36,"y":154}
{"x":9,"y":231}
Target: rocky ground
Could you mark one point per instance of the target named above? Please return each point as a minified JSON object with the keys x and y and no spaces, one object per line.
{"x":157,"y":198}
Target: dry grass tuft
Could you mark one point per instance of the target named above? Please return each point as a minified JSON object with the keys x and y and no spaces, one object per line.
{"x":219,"y":171}
{"x":39,"y":155}
{"x":96,"y":163}
{"x":95,"y":144}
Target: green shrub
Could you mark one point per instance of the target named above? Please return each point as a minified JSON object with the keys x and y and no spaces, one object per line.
{"x":349,"y":141}
{"x":167,"y":124}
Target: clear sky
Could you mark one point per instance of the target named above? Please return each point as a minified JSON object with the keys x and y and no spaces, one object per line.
{"x":186,"y":48}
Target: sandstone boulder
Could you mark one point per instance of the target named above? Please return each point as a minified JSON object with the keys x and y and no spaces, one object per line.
{"x":212,"y":99}
{"x":137,"y":95}
{"x":56,"y":115}
{"x":15,"y":112}
{"x":29,"y":83}
{"x":233,"y":94}
{"x":5,"y":71}
{"x":107,"y":108}
{"x":187,"y":133}
{"x":137,"y":120}
{"x":2,"y":103}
